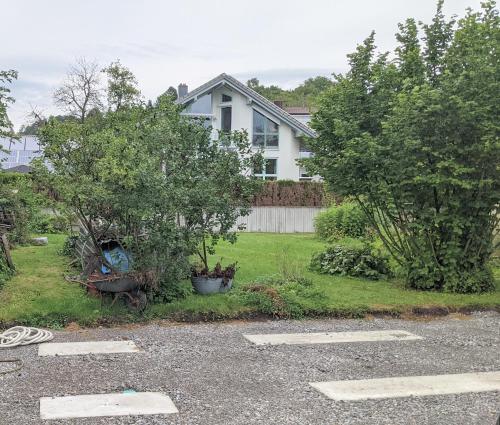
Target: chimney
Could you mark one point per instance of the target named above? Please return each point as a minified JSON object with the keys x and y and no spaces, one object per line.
{"x":279,"y":103}
{"x":182,"y":90}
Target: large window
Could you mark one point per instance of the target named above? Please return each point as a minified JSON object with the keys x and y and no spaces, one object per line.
{"x":265,"y":132}
{"x":267,"y":171}
{"x":202,"y":106}
{"x":225,"y":122}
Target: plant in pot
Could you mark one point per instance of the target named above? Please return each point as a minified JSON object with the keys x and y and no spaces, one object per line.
{"x":220,"y":190}
{"x":219,"y":279}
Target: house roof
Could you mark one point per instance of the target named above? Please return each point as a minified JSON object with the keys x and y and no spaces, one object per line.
{"x":297,"y":110}
{"x":267,"y":105}
{"x":24,"y":169}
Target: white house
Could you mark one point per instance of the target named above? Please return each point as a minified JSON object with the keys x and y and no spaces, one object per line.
{"x":227,"y":104}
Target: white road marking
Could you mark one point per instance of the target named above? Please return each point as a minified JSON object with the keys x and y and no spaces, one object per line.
{"x":331,"y":337}
{"x":407,"y":386}
{"x":88,"y":347}
{"x":119,"y":404}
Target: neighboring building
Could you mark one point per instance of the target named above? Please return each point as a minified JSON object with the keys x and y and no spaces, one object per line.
{"x":20,"y":153}
{"x":300,"y":113}
{"x":227,"y":104}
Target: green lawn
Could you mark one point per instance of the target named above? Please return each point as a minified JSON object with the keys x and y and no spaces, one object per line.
{"x":38,"y":293}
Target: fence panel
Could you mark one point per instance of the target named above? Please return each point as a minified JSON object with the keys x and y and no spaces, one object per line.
{"x":281,"y":219}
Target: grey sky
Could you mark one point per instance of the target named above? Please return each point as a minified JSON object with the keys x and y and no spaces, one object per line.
{"x":167,"y":42}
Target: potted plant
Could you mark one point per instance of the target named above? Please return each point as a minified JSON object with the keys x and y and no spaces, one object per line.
{"x":213,"y":281}
{"x":220,"y":190}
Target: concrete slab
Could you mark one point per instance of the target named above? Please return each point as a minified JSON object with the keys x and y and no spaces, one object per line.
{"x":87,"y":347}
{"x":331,"y":337}
{"x":95,"y":405}
{"x":409,"y":386}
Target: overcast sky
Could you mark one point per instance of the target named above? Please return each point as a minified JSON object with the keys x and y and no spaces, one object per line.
{"x":167,"y":42}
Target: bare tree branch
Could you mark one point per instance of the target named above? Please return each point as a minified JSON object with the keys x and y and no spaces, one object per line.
{"x":81,"y":91}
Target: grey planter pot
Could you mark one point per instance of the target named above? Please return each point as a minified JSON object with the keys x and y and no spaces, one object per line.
{"x":206,"y":285}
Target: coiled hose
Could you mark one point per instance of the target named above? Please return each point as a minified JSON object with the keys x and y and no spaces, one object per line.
{"x":21,"y":335}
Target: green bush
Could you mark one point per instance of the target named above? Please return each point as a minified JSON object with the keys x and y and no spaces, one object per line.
{"x":69,"y":247}
{"x":346,"y":219}
{"x":283,"y":298}
{"x":46,"y":223}
{"x":356,"y":259}
{"x":5,"y":271}
{"x":169,"y":291}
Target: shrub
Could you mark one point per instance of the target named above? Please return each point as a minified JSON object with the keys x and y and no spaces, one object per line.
{"x":69,"y":247}
{"x":358,"y":260}
{"x":283,"y":298}
{"x":5,"y":271}
{"x":46,"y":223}
{"x":413,"y":136}
{"x":289,"y":193}
{"x":346,"y":219}
{"x":171,"y":291}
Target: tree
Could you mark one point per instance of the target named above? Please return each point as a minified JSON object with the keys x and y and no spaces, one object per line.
{"x":122,"y":88}
{"x":81,"y":90}
{"x":305,"y":94}
{"x":152,"y":177}
{"x":6,"y":77}
{"x":415,"y":141}
{"x":170,"y":93}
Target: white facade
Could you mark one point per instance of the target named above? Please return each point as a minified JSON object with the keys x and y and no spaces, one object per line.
{"x":244,"y":106}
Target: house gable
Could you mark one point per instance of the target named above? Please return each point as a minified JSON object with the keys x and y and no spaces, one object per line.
{"x":252,"y":98}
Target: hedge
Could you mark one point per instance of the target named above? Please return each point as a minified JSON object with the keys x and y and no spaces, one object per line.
{"x":288,"y":193}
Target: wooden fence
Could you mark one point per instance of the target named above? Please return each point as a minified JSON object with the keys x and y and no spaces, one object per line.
{"x":281,"y":219}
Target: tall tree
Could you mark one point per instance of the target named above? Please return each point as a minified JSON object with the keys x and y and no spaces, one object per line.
{"x":170,"y":93}
{"x":81,"y":91}
{"x":305,"y":94}
{"x":416,"y":142}
{"x":6,"y":77}
{"x":122,"y":90}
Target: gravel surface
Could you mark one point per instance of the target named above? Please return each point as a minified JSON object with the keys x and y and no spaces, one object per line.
{"x":215,"y":376}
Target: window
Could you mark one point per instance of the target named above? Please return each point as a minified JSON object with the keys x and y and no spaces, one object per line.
{"x":267,"y":171}
{"x":203,"y":105}
{"x":303,"y":175}
{"x":226,"y":98}
{"x":225,"y":121}
{"x":265,"y":132}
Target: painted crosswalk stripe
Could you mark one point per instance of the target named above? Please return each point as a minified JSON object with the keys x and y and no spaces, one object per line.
{"x":88,"y":347}
{"x":331,"y":337}
{"x":95,"y":405}
{"x":409,"y":386}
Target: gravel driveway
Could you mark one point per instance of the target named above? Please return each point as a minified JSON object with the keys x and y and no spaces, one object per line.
{"x":215,"y":376}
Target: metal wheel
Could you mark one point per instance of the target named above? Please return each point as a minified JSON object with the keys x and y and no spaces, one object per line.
{"x":136,"y":300}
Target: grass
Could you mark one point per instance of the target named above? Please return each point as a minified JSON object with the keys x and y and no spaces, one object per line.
{"x":39,"y":295}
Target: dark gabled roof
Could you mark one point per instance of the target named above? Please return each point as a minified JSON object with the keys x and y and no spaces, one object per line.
{"x":24,"y":169}
{"x":297,"y":110}
{"x":258,"y":99}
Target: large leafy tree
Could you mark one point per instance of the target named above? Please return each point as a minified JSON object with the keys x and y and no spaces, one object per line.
{"x":306,"y":94}
{"x":415,"y":140}
{"x":122,"y":89}
{"x":153,"y":177}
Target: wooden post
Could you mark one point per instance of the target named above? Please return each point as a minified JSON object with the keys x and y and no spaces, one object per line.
{"x":5,"y":248}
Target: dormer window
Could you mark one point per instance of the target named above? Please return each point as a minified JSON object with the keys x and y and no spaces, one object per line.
{"x":265,"y":132}
{"x":226,"y":98}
